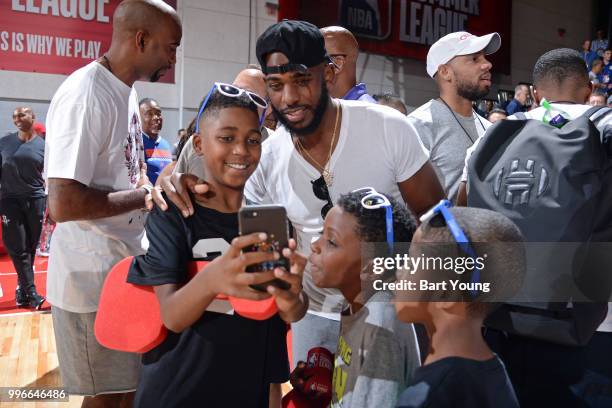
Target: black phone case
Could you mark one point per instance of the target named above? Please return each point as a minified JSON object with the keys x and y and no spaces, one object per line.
{"x":271,"y":219}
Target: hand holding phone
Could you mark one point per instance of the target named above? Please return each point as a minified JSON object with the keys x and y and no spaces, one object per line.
{"x":272,"y":220}
{"x":227,"y":273}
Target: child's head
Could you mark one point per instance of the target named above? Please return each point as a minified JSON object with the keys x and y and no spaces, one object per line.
{"x":497,"y":243}
{"x":337,"y":257}
{"x":229,"y":139}
{"x":597,"y":66}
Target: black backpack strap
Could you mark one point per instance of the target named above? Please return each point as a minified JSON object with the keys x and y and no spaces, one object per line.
{"x":596,"y":113}
{"x":520,"y":116}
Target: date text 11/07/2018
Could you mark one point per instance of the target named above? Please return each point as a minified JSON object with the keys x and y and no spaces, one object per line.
{"x":16,"y":394}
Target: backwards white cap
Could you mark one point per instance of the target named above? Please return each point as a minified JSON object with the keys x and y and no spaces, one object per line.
{"x":459,"y":43}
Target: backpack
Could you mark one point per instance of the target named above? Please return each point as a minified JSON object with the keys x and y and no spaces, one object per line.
{"x":556,"y":185}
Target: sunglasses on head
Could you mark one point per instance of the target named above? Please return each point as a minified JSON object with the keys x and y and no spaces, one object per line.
{"x":442,"y":209}
{"x":319,"y":188}
{"x":373,"y":200}
{"x":232,"y":91}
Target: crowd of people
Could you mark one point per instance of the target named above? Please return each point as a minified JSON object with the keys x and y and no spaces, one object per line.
{"x":597,"y":55}
{"x":351,"y":169}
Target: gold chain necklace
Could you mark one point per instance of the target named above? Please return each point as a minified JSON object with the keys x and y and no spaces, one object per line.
{"x":325,"y":171}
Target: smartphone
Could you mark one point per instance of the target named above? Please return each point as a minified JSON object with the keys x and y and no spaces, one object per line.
{"x":271,"y":219}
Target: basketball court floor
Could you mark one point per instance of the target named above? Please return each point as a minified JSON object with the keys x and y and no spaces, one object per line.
{"x":28,"y":357}
{"x":27,"y":345}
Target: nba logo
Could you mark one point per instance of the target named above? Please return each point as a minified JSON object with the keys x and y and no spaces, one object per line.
{"x":367,"y":18}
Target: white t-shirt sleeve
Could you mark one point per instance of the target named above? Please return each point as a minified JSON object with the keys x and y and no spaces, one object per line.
{"x":409,"y":154}
{"x":76,"y":136}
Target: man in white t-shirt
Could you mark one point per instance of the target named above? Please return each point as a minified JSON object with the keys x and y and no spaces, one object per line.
{"x":448,"y":125}
{"x":97,"y":191}
{"x":561,"y":78}
{"x":324,"y":148}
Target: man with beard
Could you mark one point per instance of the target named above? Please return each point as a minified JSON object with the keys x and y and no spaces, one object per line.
{"x":158,"y":153}
{"x":324,"y":149}
{"x":448,"y":125}
{"x":97,"y":190}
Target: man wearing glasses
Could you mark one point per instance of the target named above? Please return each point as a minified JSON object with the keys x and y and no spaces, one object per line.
{"x":343,"y":49}
{"x":323,"y":149}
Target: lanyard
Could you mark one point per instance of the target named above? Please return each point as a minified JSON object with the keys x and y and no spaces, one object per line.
{"x":457,"y":119}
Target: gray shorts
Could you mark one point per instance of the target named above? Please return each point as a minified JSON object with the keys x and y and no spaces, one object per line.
{"x":88,"y":368}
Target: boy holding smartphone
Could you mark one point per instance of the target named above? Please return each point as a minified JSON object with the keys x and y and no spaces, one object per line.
{"x":209,"y":346}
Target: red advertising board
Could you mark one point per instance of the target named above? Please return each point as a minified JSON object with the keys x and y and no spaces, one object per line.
{"x":407,"y":28}
{"x":56,"y":36}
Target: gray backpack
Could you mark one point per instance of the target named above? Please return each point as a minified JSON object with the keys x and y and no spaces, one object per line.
{"x":556,"y":185}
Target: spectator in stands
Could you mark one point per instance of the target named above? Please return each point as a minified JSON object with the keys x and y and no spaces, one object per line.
{"x":587,"y":55}
{"x":496,"y":114}
{"x":23,"y":201}
{"x":610,"y":101}
{"x":97,"y":191}
{"x":448,"y":125}
{"x":597,"y":99}
{"x":343,"y":49}
{"x":607,"y":61}
{"x":158,"y":153}
{"x":600,"y":44}
{"x":519,"y":102}
{"x":606,"y":72}
{"x":596,"y":77}
{"x":392,"y":101}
